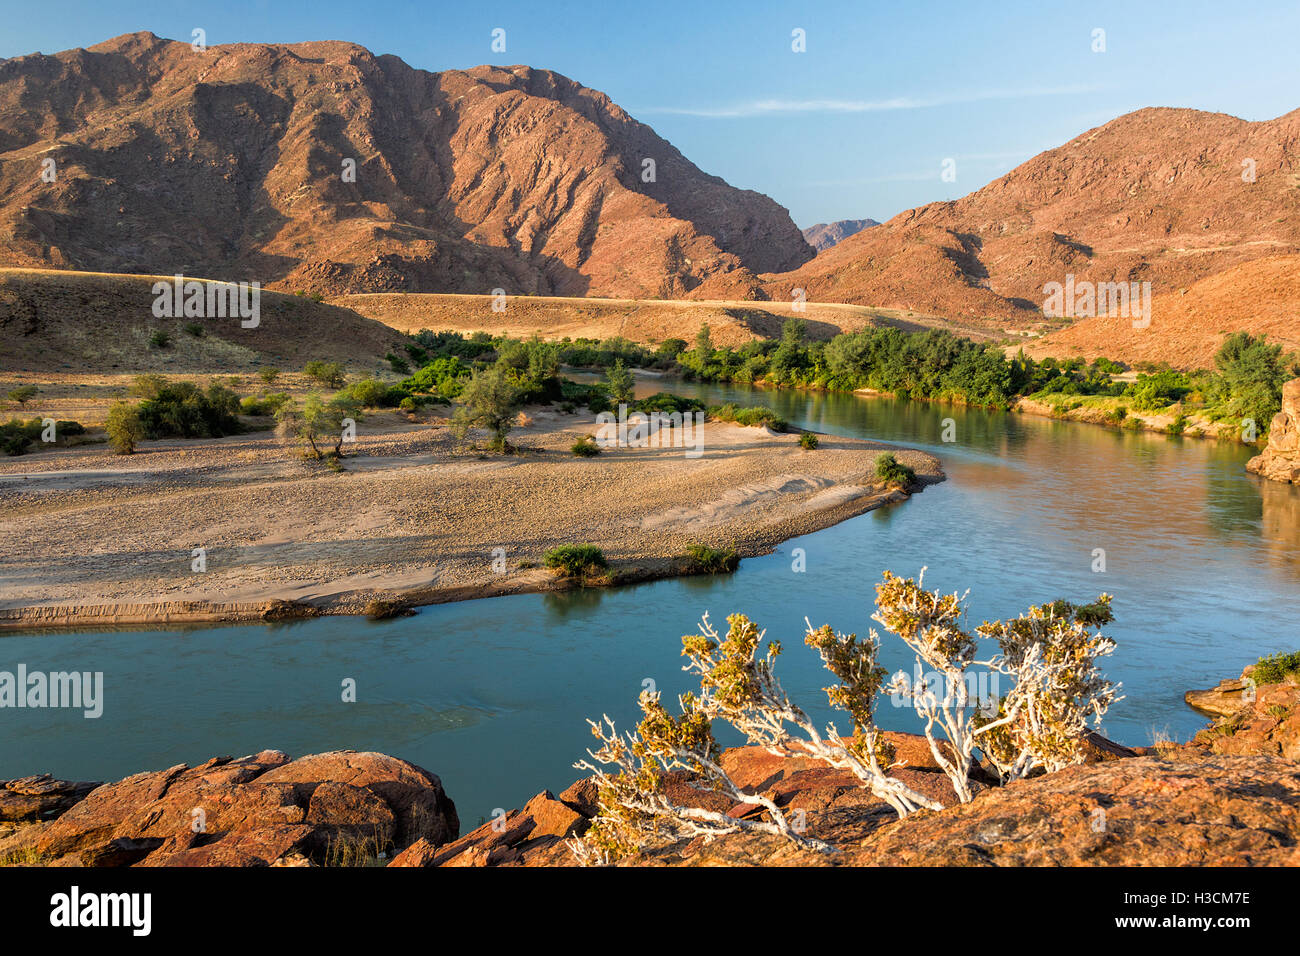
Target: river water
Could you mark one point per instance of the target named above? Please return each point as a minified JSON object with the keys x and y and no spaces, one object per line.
{"x":1203,"y":561}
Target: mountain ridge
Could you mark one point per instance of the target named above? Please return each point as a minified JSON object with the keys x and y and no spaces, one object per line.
{"x":230,"y":161}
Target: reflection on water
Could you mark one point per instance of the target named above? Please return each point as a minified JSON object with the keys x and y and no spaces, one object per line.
{"x":1203,"y":561}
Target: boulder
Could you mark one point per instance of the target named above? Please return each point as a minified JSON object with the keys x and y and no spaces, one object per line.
{"x":40,"y":797}
{"x":420,"y":807}
{"x":261,"y":810}
{"x":1280,"y":459}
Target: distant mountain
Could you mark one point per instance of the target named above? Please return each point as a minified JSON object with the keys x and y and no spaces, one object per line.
{"x":1159,"y":195}
{"x":826,"y":234}
{"x":233,"y":162}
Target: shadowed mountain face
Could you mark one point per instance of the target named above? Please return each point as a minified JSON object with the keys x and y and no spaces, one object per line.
{"x":232,"y":162}
{"x":1159,"y":195}
{"x":826,"y":234}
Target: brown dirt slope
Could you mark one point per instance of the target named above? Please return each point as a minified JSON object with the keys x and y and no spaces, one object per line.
{"x":641,"y":320}
{"x":229,"y":162}
{"x":51,"y":320}
{"x":1156,"y":195}
{"x":1188,"y":325}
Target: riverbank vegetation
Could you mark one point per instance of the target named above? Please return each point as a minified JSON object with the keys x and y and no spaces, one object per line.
{"x":1244,"y":385}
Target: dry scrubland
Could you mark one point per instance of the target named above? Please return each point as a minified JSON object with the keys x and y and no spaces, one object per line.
{"x":413,"y":513}
{"x":76,"y":322}
{"x":731,"y":323}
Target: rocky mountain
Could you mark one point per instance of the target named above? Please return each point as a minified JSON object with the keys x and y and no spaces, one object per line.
{"x":826,"y":234}
{"x":1169,"y":196}
{"x":325,"y":168}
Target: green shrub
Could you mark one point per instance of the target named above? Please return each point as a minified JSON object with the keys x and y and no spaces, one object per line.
{"x":749,"y":417}
{"x":183,"y":410}
{"x":808,"y":441}
{"x":264,"y":403}
{"x":576,"y":560}
{"x":585,"y":447}
{"x":124,"y":428}
{"x":1274,"y":668}
{"x":398,"y":364}
{"x":193,"y":328}
{"x":23,"y":394}
{"x":372,"y":393}
{"x":329,"y":374}
{"x":269,"y":374}
{"x":706,"y":560}
{"x":159,"y":339}
{"x":892,"y":471}
{"x":16,"y":435}
{"x":444,"y":376}
{"x":668,"y":402}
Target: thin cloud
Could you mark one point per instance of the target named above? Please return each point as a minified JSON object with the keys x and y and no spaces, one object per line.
{"x":771,"y":107}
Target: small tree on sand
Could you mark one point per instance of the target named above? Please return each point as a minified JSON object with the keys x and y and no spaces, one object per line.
{"x":620,"y":383}
{"x":318,"y":424}
{"x":1050,"y":653}
{"x":23,"y":394}
{"x":490,"y":400}
{"x":123,"y":427}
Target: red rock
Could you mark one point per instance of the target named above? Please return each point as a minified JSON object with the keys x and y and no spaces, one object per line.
{"x":416,"y":797}
{"x":553,"y":818}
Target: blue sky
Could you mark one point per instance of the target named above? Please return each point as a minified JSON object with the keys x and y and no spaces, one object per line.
{"x":858,"y":125}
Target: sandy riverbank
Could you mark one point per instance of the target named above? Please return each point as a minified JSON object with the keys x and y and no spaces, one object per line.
{"x":94,"y":539}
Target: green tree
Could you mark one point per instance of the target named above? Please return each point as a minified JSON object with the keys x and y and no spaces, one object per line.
{"x":329,"y":374}
{"x":490,"y":400}
{"x":319,"y":423}
{"x":124,"y":428}
{"x":620,"y":383}
{"x":703,"y":344}
{"x":23,"y":394}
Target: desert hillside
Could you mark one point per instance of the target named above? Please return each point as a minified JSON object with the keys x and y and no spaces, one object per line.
{"x":1188,"y":325}
{"x":52,"y":321}
{"x":231,"y":162}
{"x":649,"y":321}
{"x":1156,"y":195}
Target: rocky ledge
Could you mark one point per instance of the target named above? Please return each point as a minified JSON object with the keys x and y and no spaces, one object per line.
{"x":1229,"y":796}
{"x":1280,"y":459}
{"x":261,"y":810}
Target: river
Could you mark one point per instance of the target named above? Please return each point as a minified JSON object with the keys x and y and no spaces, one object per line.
{"x":1203,"y":561}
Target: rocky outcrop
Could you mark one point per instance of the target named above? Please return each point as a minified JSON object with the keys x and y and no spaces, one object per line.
{"x":1225,"y":798}
{"x":1224,"y":699}
{"x":1143,"y":811}
{"x":39,"y":797}
{"x":1280,"y":460}
{"x":1252,"y":718}
{"x":832,"y":802}
{"x":258,"y":810}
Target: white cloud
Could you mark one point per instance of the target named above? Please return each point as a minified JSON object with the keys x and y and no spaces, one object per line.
{"x":778,"y":106}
